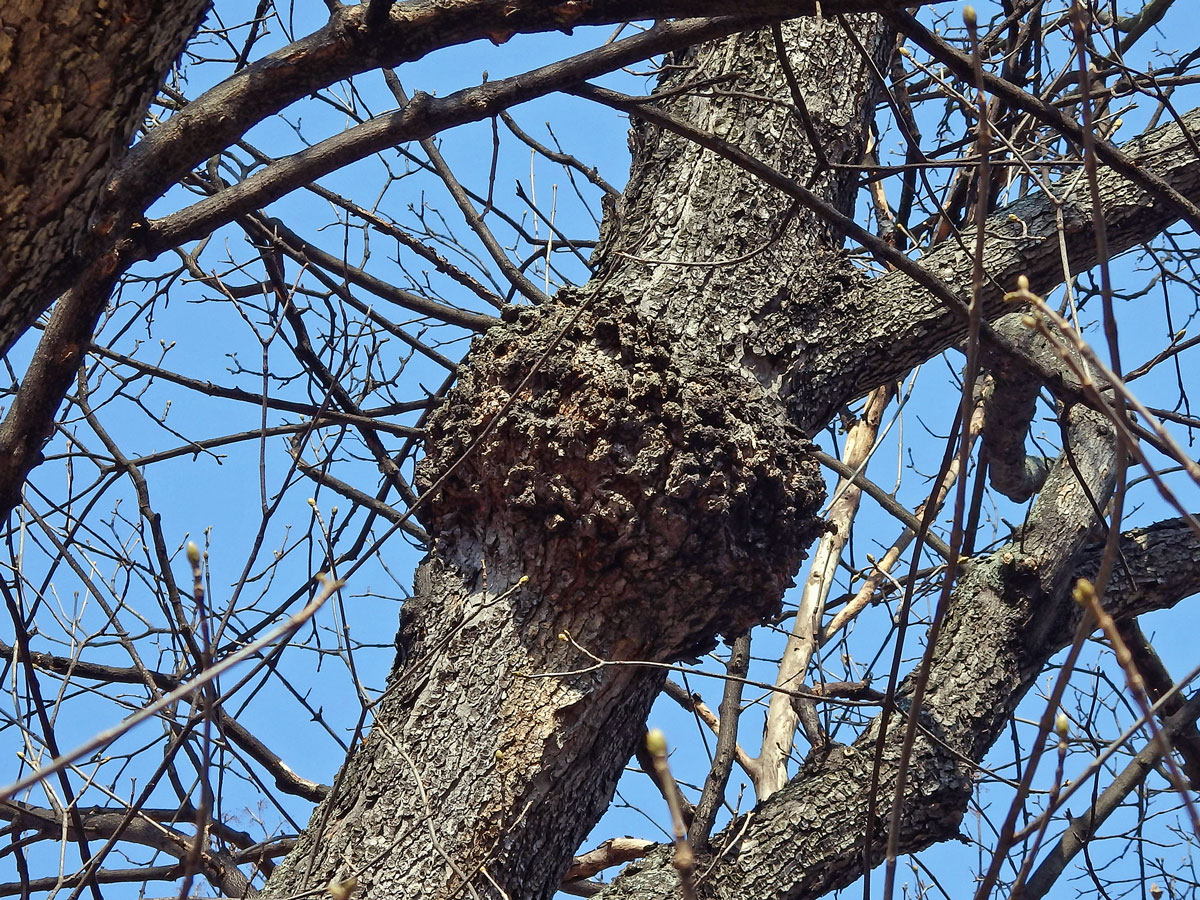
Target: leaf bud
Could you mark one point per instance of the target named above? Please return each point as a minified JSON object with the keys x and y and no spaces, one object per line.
{"x":342,"y":888}
{"x":656,"y":742}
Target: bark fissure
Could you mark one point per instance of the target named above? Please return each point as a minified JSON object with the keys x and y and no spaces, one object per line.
{"x":1009,"y":613}
{"x":623,"y":473}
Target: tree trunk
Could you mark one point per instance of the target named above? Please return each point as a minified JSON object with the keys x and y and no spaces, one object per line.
{"x":1008,"y":614}
{"x":628,"y":451}
{"x":621,"y":475}
{"x":76,"y":81}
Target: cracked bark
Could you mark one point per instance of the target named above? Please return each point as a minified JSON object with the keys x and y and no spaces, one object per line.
{"x":75,"y":83}
{"x":1009,"y":613}
{"x":650,"y":479}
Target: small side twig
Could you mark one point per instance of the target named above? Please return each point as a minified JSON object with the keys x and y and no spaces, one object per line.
{"x":684,"y":860}
{"x":713,"y":794}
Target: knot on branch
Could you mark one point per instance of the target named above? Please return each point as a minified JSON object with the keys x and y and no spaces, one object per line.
{"x":620,"y":476}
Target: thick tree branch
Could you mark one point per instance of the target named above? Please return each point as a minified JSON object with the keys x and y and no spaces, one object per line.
{"x":61,"y":205}
{"x":568,"y":385}
{"x":1010,"y":391}
{"x":1160,"y":572}
{"x":421,"y":118}
{"x":346,"y":46}
{"x":55,"y":363}
{"x":220,"y":869}
{"x":64,"y":130}
{"x":918,"y":309}
{"x":1005,"y":615}
{"x":902,"y":321}
{"x":1179,"y":204}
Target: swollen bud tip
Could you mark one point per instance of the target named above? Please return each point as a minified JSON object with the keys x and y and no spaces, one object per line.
{"x":1022,"y":283}
{"x":656,"y":742}
{"x":1061,"y":725}
{"x":193,"y":553}
{"x":969,"y":17}
{"x":1084,"y":593}
{"x":341,"y":889}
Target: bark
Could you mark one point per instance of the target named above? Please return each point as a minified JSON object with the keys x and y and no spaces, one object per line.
{"x":219,"y":868}
{"x":902,"y":323}
{"x":1008,"y":614}
{"x":622,"y":475}
{"x":352,"y":43}
{"x":624,"y":448}
{"x":806,"y":840}
{"x":1010,"y":393}
{"x":636,"y":449}
{"x":75,"y":83}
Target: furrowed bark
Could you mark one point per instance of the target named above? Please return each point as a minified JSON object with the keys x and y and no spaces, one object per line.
{"x":75,"y":82}
{"x":624,"y":448}
{"x":612,"y":446}
{"x":901,"y":324}
{"x":637,"y":450}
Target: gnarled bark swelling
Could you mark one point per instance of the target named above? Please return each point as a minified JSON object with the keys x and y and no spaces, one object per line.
{"x":1008,"y":614}
{"x":622,"y":474}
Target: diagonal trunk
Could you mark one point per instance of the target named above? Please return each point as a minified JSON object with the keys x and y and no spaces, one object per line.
{"x":1008,"y":614}
{"x":626,"y":450}
{"x":637,"y":450}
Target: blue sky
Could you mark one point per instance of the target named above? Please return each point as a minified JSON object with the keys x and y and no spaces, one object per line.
{"x":217,"y":501}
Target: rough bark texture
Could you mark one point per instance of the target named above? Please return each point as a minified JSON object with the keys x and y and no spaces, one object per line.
{"x":1007,"y":616}
{"x":731,"y":268}
{"x":637,"y":451}
{"x":901,"y":323}
{"x":626,"y":450}
{"x":76,"y":80}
